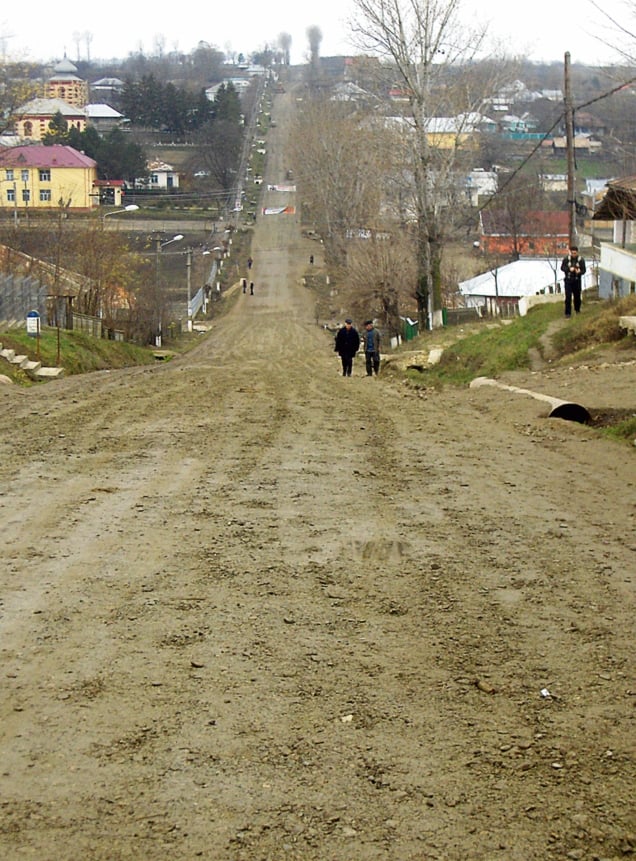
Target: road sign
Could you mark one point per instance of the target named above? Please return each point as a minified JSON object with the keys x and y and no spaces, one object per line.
{"x":33,"y":324}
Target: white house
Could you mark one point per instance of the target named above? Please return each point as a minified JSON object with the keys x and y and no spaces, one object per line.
{"x":617,"y":271}
{"x":162,"y":177}
{"x":506,"y":285}
{"x":103,"y":117}
{"x":479,"y":183}
{"x":617,"y":268}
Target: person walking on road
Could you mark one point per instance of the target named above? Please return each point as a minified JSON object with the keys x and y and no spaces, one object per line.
{"x":371,"y":340}
{"x":574,"y":268}
{"x":251,"y":288}
{"x":347,"y":345}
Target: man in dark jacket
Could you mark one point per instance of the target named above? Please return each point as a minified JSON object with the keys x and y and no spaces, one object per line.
{"x":573,"y":266}
{"x":347,"y":344}
{"x":371,"y":338}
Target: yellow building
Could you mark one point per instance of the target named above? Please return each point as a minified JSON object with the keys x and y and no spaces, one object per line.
{"x":32,"y":120}
{"x":39,"y":177}
{"x":64,"y":84}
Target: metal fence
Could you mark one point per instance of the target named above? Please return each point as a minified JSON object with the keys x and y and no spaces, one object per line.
{"x":20,"y":294}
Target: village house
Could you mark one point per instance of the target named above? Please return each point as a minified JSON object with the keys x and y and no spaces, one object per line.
{"x":617,"y":266}
{"x":103,"y":118}
{"x":500,"y":290}
{"x":34,"y":118}
{"x":161,"y":177}
{"x":531,"y":234}
{"x":480,"y":183}
{"x":46,"y":177}
{"x":65,"y":95}
{"x":107,"y":88}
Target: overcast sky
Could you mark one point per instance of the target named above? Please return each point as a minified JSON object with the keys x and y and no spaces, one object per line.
{"x":542,"y":29}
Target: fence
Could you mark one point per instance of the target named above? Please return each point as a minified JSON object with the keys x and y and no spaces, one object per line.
{"x":20,"y":294}
{"x":90,"y":325}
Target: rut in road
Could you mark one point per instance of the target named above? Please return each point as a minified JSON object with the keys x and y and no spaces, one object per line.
{"x":253,"y":610}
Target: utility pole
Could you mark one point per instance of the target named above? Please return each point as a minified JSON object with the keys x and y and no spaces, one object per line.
{"x":569,"y":138}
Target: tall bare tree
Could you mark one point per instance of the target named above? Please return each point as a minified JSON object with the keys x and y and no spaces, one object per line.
{"x":284,"y":43}
{"x":380,"y":271}
{"x":430,"y":54}
{"x":338,"y":168}
{"x":314,"y":40}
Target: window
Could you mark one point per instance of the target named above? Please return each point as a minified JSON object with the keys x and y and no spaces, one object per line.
{"x":26,"y":195}
{"x":28,"y":129}
{"x":9,"y":174}
{"x":11,"y":195}
{"x":24,"y":175}
{"x":45,"y":175}
{"x":45,"y":195}
{"x":154,"y":179}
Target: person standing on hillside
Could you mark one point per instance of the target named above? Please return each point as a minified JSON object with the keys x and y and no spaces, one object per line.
{"x":371,"y":340}
{"x":347,"y":345}
{"x":573,"y":266}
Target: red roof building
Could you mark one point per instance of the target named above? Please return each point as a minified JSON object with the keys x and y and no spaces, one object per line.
{"x":537,"y":233}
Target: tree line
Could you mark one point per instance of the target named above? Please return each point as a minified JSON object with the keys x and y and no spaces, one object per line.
{"x":151,"y":104}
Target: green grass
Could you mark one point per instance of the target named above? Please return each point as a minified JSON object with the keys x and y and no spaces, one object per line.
{"x":491,"y":350}
{"x":77,"y":352}
{"x":624,"y":431}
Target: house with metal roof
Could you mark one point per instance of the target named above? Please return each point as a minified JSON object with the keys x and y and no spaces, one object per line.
{"x":46,"y":177}
{"x":33,"y":118}
{"x":502,"y":287}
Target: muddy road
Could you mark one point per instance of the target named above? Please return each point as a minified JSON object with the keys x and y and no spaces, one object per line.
{"x":253,"y":611}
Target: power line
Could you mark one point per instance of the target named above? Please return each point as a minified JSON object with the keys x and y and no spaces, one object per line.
{"x":540,"y":143}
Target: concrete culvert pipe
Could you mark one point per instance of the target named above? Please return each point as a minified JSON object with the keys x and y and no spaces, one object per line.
{"x":559,"y":409}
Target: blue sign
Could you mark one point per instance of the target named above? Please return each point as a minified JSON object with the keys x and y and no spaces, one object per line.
{"x":33,"y":324}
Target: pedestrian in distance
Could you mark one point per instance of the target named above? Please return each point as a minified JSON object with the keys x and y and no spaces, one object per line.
{"x":573,"y":267}
{"x":251,"y":288}
{"x":249,"y":262}
{"x":371,"y":340}
{"x":244,"y":284}
{"x":311,"y":259}
{"x":347,"y":345}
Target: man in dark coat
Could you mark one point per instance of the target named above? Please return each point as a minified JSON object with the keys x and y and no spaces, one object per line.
{"x":347,"y":344}
{"x":573,"y":267}
{"x":371,"y":338}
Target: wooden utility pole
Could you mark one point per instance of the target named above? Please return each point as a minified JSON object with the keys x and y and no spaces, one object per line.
{"x":569,"y":139}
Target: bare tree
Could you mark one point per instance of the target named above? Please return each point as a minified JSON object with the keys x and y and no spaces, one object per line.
{"x":430,"y":54}
{"x":284,"y":43}
{"x":380,"y":272}
{"x":625,"y":44}
{"x":17,"y":86}
{"x":339,"y":169}
{"x":314,"y":39}
{"x":104,"y":259}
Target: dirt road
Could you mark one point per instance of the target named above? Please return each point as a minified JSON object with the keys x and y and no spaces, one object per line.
{"x":252,"y":610}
